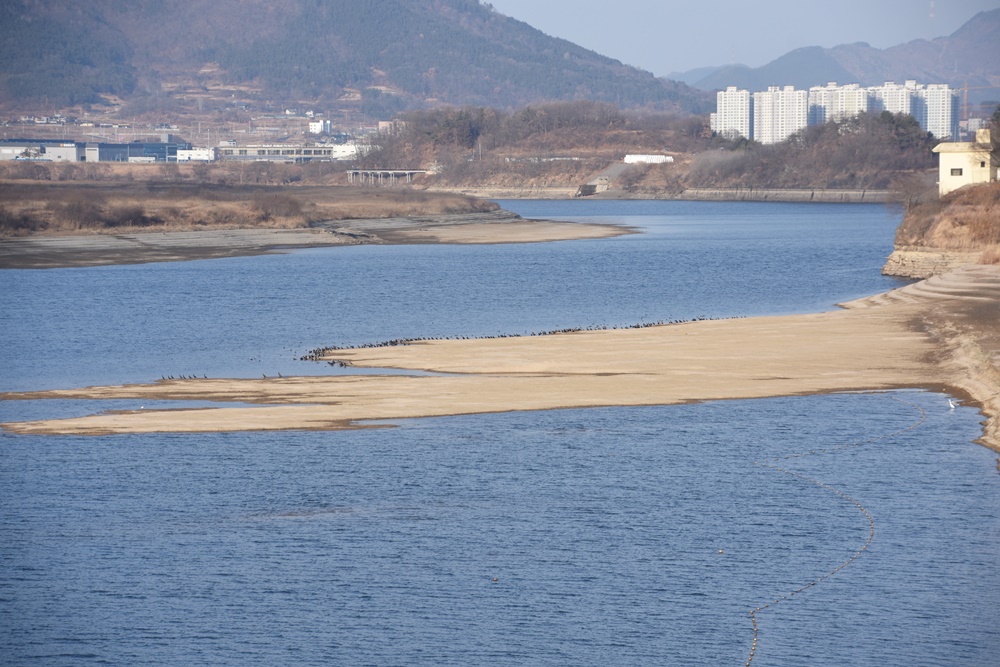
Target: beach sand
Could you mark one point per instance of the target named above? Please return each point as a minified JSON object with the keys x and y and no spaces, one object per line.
{"x":938,"y":334}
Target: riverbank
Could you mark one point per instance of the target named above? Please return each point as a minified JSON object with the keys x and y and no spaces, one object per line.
{"x":945,"y":233}
{"x":138,"y":247}
{"x":928,"y":337}
{"x":815,"y":195}
{"x":790,"y":195}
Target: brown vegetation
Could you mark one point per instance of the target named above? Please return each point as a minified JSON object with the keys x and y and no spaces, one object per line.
{"x":59,"y":207}
{"x":965,"y":220}
{"x":567,"y":143}
{"x":867,"y":151}
{"x":545,"y":145}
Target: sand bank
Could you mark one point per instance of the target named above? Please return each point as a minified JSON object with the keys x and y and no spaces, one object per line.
{"x":476,"y":228}
{"x":43,"y":252}
{"x":935,"y":339}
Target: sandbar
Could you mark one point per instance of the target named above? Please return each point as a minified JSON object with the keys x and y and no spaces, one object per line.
{"x":139,"y":247}
{"x":937,"y":334}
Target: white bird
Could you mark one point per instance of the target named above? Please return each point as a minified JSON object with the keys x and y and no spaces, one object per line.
{"x":952,"y":404}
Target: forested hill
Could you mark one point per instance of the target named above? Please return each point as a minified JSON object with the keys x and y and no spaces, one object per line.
{"x":412,"y":51}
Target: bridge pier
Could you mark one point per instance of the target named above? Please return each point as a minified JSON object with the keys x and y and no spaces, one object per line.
{"x":381,"y":177}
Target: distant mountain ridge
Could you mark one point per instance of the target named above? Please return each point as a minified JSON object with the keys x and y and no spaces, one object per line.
{"x":970,"y":55}
{"x":393,"y":53}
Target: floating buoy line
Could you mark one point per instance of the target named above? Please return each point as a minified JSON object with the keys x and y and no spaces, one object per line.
{"x":776,"y":464}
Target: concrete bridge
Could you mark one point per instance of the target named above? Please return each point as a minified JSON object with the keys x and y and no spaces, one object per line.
{"x":382,"y":176}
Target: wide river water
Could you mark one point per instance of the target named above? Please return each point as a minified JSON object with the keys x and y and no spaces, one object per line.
{"x":626,"y":536}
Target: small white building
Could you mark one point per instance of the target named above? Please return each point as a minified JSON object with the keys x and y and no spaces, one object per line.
{"x":196,"y":155}
{"x":320,"y":127}
{"x":962,"y":163}
{"x":648,"y":159}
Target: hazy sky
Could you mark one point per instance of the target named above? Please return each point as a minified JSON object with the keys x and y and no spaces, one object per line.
{"x":664,"y":36}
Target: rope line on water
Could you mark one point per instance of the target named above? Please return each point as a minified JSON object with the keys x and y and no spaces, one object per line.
{"x":774,"y":464}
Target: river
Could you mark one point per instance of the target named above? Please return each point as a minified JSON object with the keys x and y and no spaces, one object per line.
{"x":607,"y":536}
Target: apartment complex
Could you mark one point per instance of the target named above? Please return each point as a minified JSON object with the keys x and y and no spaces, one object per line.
{"x":732,"y":116}
{"x":774,"y":115}
{"x":778,"y":113}
{"x":833,"y":102}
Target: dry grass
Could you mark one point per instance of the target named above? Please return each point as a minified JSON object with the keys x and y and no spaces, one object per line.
{"x":60,"y":207}
{"x":991,"y":255}
{"x":965,"y":220}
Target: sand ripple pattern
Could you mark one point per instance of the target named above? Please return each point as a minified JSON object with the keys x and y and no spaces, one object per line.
{"x":777,"y":464}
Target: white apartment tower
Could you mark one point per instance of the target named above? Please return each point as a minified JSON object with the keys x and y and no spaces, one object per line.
{"x":773,"y":116}
{"x":732,"y":114}
{"x":892,"y":97}
{"x":935,"y":106}
{"x":833,"y":102}
{"x":939,"y":113}
{"x":779,"y":113}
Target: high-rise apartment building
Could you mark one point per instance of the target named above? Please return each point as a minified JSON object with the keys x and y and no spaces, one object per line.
{"x":939,"y":110}
{"x":833,"y":102}
{"x":732,"y":114}
{"x":774,"y":115}
{"x":892,"y":97}
{"x":779,"y":113}
{"x":934,"y":106}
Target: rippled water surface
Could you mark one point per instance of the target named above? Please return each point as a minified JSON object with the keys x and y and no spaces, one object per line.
{"x":608,"y":536}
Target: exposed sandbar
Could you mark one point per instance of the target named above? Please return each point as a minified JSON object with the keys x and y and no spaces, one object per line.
{"x":907,"y":338}
{"x":138,"y":247}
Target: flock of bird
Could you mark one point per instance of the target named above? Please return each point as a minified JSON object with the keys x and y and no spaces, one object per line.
{"x":320,"y":353}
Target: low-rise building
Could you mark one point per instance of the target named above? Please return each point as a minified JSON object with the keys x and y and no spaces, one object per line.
{"x":66,"y":152}
{"x":196,"y":155}
{"x":648,"y":159}
{"x":962,"y":163}
{"x":20,"y":150}
{"x":289,"y":152}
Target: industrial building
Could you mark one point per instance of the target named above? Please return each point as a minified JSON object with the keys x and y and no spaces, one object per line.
{"x":170,"y":151}
{"x":91,"y":151}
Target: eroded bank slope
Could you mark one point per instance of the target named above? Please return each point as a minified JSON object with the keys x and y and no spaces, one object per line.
{"x":943,"y":234}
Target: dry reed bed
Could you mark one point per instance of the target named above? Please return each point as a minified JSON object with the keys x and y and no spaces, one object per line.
{"x":42,"y":207}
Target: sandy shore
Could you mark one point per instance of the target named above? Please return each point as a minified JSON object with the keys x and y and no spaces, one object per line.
{"x":941,"y":334}
{"x":44,"y":252}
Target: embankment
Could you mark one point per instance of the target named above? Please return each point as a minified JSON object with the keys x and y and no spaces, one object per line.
{"x":689,"y":194}
{"x":787,"y":195}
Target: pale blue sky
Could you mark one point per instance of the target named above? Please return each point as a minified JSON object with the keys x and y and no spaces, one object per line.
{"x":664,"y":36}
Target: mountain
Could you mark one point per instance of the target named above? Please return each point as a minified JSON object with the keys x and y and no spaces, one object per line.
{"x":393,"y":53}
{"x":970,"y":55}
